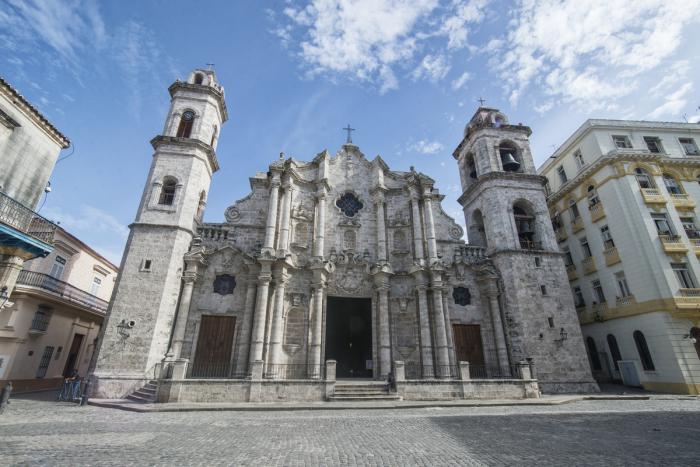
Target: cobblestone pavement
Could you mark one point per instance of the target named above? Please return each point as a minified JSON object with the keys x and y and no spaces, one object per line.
{"x":661,"y":431}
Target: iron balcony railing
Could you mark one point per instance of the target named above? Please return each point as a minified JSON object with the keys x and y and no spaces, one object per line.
{"x":209,"y":370}
{"x":20,"y":217}
{"x":63,"y":289}
{"x":40,"y":322}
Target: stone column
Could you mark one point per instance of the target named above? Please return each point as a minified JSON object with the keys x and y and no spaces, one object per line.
{"x":283,"y":243}
{"x":271,"y":224}
{"x":183,"y":313}
{"x":259,"y":320}
{"x":277,"y":327}
{"x":426,"y":344}
{"x":320,"y":223}
{"x":316,"y":324}
{"x":249,"y":311}
{"x":448,"y":328}
{"x":440,"y":336}
{"x":430,"y":227}
{"x":497,"y":325}
{"x":417,"y":228}
{"x":381,"y":226}
{"x":384,"y":336}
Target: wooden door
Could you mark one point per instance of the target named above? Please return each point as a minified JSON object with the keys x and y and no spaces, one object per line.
{"x":468,"y":346}
{"x":73,"y":355}
{"x":212,"y":358}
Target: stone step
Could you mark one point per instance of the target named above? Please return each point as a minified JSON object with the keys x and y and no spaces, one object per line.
{"x":148,"y":390}
{"x":352,"y":387}
{"x":385,"y":397}
{"x":143,"y":399}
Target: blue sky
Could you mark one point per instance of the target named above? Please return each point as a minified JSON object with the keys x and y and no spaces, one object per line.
{"x":405,"y":73}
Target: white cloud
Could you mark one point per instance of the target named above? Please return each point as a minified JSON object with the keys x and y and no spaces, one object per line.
{"x":593,"y":52}
{"x":459,"y":82}
{"x":674,"y":103}
{"x":426,"y":147}
{"x":371,"y":40}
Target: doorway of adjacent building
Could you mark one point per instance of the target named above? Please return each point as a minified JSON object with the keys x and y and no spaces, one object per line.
{"x":468,"y":345}
{"x":73,"y":353}
{"x":212,"y":358}
{"x":349,"y":336}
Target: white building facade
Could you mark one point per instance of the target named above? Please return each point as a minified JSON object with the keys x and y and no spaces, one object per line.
{"x":623,"y":197}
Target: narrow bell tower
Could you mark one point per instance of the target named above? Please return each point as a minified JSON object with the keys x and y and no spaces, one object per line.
{"x":505,"y":209}
{"x":136,"y":333}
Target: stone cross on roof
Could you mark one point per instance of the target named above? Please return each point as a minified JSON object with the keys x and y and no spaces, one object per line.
{"x":349,"y":130}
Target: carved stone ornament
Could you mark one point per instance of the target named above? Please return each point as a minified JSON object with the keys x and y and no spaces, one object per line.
{"x":224,"y":284}
{"x":456,"y":232}
{"x":232,"y":214}
{"x":302,"y":213}
{"x":350,"y":279}
{"x":400,"y":220}
{"x":461,"y":296}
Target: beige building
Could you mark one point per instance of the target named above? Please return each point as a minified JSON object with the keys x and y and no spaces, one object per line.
{"x":623,"y":197}
{"x":56,"y":311}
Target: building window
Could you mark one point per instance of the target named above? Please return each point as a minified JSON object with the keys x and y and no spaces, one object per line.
{"x":653,"y":144}
{"x":579,"y":301}
{"x":622,"y":284}
{"x":543,"y":289}
{"x":643,"y":350}
{"x":538,"y":262}
{"x":44,"y":363}
{"x":42,"y":316}
{"x":57,"y":268}
{"x":695,"y":334}
{"x":689,"y":146}
{"x":349,"y":204}
{"x":568,"y":259}
{"x":643,"y":178}
{"x":95,"y":288}
{"x":349,"y":240}
{"x":562,"y":175}
{"x":575,"y":214}
{"x":198,"y":78}
{"x":186,"y":121}
{"x":598,"y":291}
{"x":662,"y":225}
{"x":461,"y":296}
{"x":672,"y":185}
{"x":608,"y":242}
{"x":550,"y":321}
{"x":592,"y":196}
{"x":593,"y":353}
{"x":525,"y":225}
{"x":614,"y":350}
{"x":684,"y":276}
{"x":146,"y":265}
{"x":556,"y":221}
{"x":691,"y":230}
{"x":585,"y":247}
{"x":167,"y":191}
{"x":622,"y":142}
{"x":578,"y":157}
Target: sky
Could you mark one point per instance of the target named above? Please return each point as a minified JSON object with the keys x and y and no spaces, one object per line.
{"x":406,"y":74}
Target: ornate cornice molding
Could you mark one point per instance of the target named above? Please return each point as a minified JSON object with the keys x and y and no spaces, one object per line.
{"x":160,"y":140}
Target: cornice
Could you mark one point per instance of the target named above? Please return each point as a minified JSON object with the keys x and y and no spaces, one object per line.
{"x":489,"y":126}
{"x":512,"y":176}
{"x":181,"y":85}
{"x":188,"y":143}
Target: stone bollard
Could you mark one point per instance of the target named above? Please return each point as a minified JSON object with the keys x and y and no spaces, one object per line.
{"x":256,"y":370}
{"x":464,"y":374}
{"x":524,"y":370}
{"x":5,"y":396}
{"x":399,"y":371}
{"x":330,"y":378}
{"x":179,"y":369}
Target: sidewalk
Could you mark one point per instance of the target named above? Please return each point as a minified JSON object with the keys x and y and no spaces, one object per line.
{"x":128,"y":405}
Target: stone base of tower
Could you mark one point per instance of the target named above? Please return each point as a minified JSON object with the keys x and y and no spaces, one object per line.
{"x":115,"y":386}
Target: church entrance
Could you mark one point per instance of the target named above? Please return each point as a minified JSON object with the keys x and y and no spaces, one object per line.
{"x":349,"y":336}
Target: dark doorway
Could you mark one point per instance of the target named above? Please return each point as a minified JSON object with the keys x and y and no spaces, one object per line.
{"x":212,"y":359}
{"x":468,"y":346}
{"x":349,"y":336}
{"x":73,"y":355}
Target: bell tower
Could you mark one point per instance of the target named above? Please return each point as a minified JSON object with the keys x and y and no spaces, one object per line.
{"x":506,"y":212}
{"x":136,"y":332}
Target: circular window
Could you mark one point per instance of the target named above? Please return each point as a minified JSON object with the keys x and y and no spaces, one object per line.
{"x":349,"y":204}
{"x":188,"y":115}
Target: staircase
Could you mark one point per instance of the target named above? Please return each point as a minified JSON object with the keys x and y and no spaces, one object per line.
{"x":146,"y":394}
{"x":362,"y":391}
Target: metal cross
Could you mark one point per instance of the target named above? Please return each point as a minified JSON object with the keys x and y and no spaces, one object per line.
{"x":349,"y":130}
{"x":210,"y":65}
{"x":481,"y":101}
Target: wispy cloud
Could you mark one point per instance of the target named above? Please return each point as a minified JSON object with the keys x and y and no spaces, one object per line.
{"x":461,"y":80}
{"x":425,"y":146}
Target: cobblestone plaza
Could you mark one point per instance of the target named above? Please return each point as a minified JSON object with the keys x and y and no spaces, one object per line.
{"x":660,"y":431}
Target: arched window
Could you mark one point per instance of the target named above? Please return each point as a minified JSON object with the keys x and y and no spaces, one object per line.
{"x":643,"y":178}
{"x":198,"y":78}
{"x":476,"y":233}
{"x":695,"y":334}
{"x":186,"y":122}
{"x":614,"y":350}
{"x":672,"y":185}
{"x":167,"y":191}
{"x":593,"y":353}
{"x":525,"y":223}
{"x":592,"y":196}
{"x":643,"y":350}
{"x":509,"y":157}
{"x":471,"y":166}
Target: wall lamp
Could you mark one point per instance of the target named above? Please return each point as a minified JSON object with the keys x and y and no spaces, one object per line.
{"x":4,"y":296}
{"x":563,"y":335}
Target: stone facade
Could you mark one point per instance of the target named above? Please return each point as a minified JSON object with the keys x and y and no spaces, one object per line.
{"x":338,"y":258}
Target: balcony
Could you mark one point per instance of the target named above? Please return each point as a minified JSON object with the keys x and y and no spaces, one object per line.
{"x":571,"y":272}
{"x":588,"y":265}
{"x":612,"y":256}
{"x":577,"y":224}
{"x":597,"y":312}
{"x":653,"y":196}
{"x":696,"y":245}
{"x":530,"y":244}
{"x":682,"y":201}
{"x":673,"y":244}
{"x":688,"y":298}
{"x":597,"y":212}
{"x":60,"y":289}
{"x":22,"y":231}
{"x":625,"y":301}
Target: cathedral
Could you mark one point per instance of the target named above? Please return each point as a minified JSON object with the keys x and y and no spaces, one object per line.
{"x":339,"y":270}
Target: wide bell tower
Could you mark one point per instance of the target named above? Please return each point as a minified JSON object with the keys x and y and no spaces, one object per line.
{"x":505,"y":210}
{"x":137,"y":329}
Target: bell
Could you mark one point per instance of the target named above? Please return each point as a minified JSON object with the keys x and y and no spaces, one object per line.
{"x":509,"y":162}
{"x":525,"y":228}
